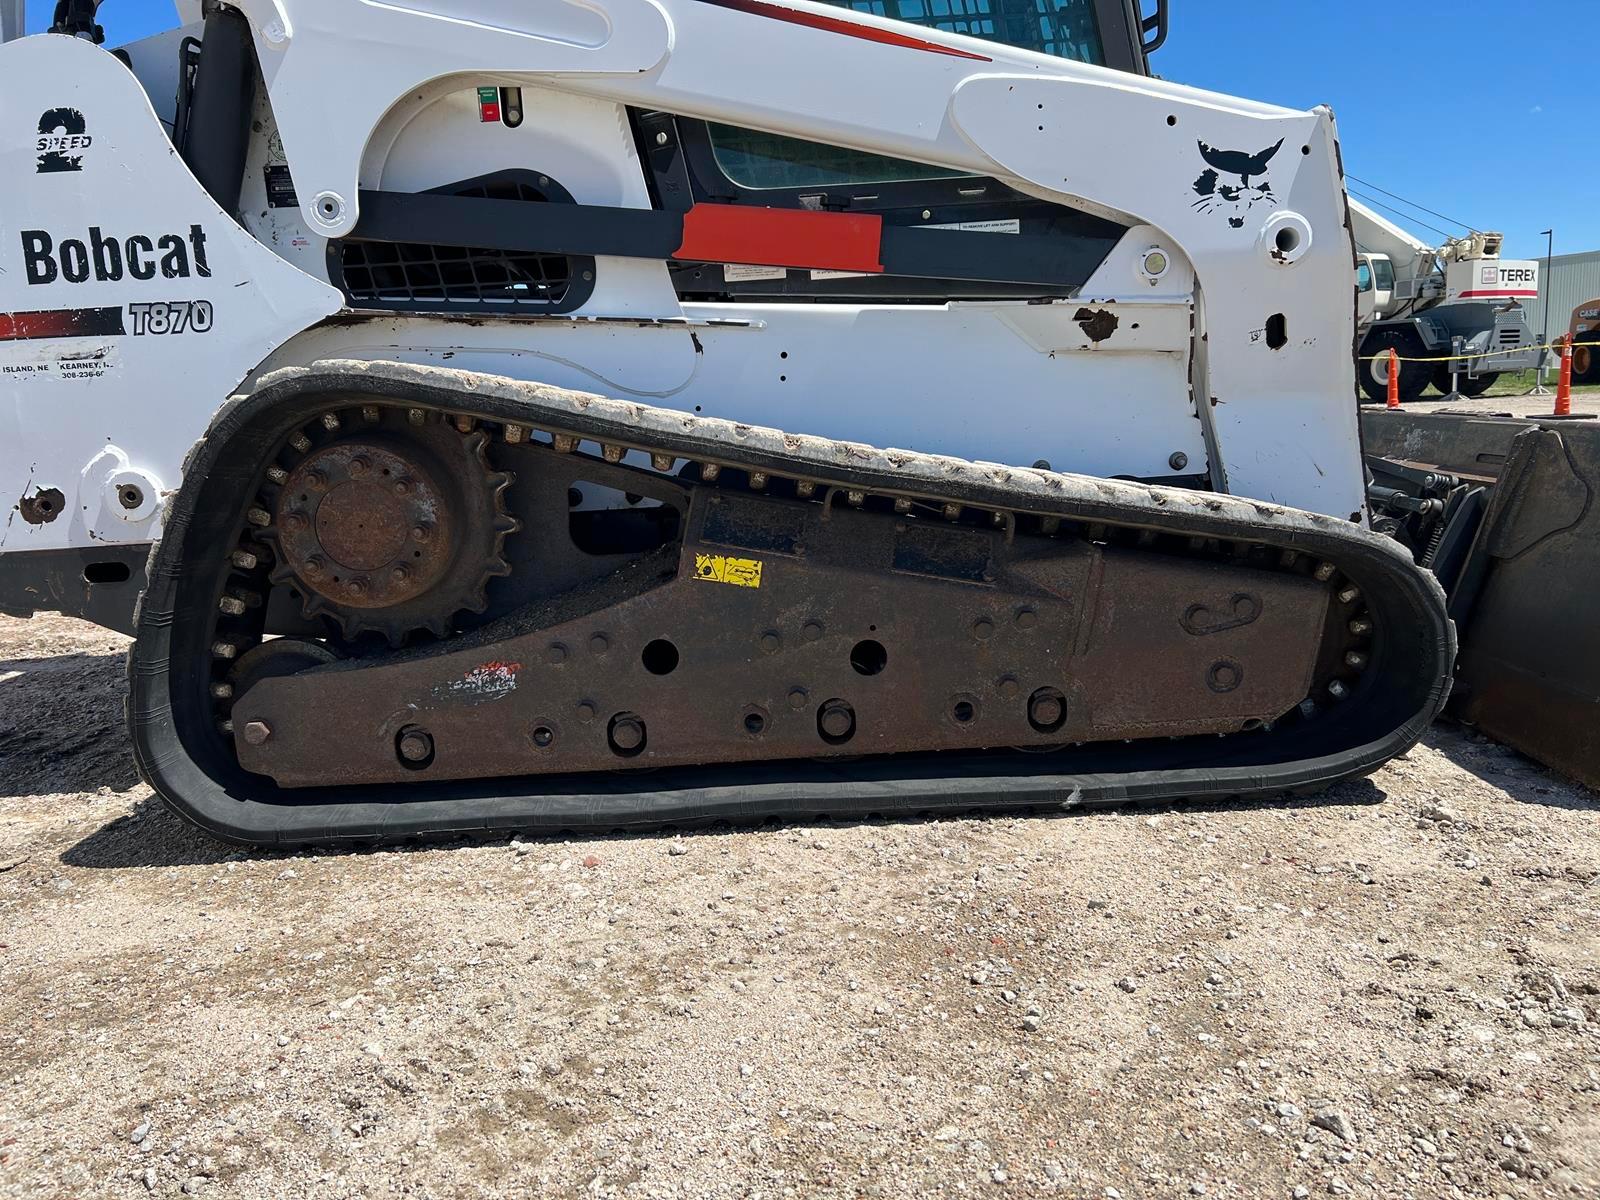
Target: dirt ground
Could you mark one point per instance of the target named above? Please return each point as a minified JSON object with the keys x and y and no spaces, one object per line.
{"x":1507,"y":401}
{"x":1389,"y":992}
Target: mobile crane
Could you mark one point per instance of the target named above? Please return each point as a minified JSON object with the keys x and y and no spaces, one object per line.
{"x":1452,"y":312}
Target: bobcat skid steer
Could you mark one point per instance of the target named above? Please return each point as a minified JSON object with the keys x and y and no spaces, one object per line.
{"x":641,"y":412}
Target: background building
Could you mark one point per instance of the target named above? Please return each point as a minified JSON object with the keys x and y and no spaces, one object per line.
{"x":1572,"y":278}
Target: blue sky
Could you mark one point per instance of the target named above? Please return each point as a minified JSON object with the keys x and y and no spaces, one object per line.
{"x":1480,"y":110}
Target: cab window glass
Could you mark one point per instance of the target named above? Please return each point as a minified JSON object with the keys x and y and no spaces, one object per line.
{"x":1383,"y":274}
{"x":1363,"y":278}
{"x":768,"y":160}
{"x":1064,"y":28}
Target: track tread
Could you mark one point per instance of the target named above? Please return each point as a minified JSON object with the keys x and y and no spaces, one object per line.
{"x":253,"y":422}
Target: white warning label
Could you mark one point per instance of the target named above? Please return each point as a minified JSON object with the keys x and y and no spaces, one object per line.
{"x":1009,"y":225}
{"x":743,"y":273}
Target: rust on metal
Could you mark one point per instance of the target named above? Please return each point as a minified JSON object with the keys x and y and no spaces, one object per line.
{"x":1097,"y":323}
{"x":44,"y":506}
{"x":913,"y":636}
{"x":350,"y":511}
{"x":392,"y":530}
{"x":1241,"y":609}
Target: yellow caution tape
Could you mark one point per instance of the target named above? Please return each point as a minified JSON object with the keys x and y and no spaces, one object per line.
{"x":1555,"y":350}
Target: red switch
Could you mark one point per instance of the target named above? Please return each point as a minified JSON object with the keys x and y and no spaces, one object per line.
{"x":489,"y":105}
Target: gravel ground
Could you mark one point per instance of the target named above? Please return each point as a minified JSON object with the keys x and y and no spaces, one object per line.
{"x":1390,"y":992}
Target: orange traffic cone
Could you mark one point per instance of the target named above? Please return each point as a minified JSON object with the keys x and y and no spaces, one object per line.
{"x":1564,"y":383}
{"x":1394,"y":378}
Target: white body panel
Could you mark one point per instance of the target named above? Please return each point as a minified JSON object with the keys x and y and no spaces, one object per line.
{"x":77,"y":413}
{"x":1252,"y":316}
{"x":911,"y":378}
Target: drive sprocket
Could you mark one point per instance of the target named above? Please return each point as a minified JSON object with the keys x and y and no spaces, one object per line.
{"x":389,"y":529}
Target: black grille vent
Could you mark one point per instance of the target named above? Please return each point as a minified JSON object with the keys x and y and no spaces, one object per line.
{"x":417,"y":277}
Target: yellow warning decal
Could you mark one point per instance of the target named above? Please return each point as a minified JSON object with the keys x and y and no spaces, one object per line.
{"x":718,"y":568}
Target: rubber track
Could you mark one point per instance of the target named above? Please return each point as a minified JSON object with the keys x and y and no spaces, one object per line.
{"x":176,"y":748}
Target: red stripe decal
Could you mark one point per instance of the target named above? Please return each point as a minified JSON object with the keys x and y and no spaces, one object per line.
{"x":61,"y":323}
{"x":870,"y":33}
{"x":782,"y":237}
{"x":1496,"y":292}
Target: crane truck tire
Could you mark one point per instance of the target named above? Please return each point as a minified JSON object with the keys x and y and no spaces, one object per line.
{"x":1374,"y":366}
{"x":937,"y":622}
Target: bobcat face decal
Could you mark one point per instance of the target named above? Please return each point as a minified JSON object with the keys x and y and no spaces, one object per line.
{"x":1235,"y":181}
